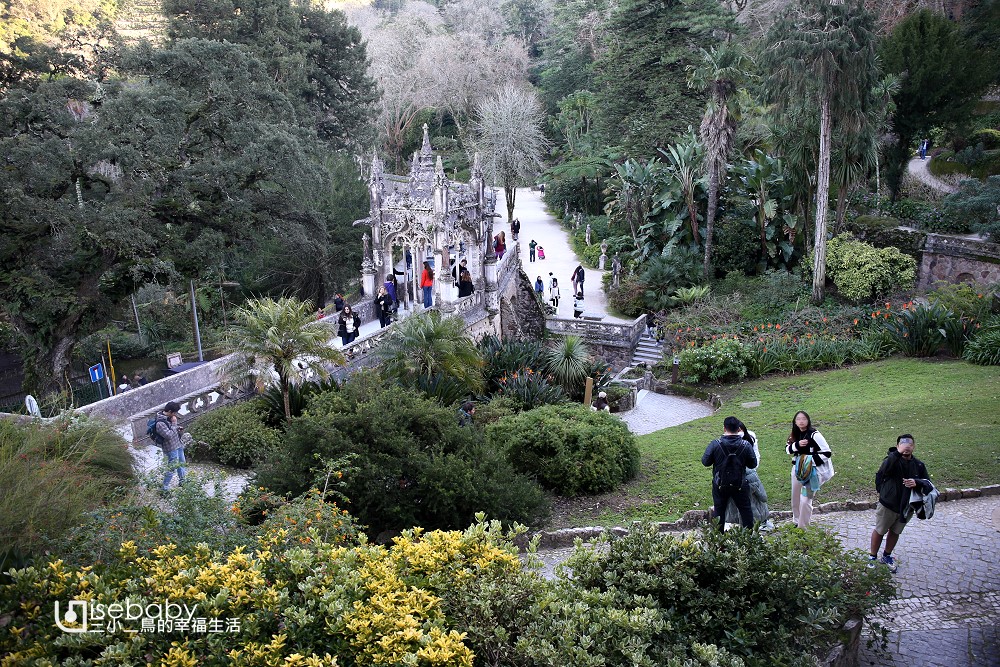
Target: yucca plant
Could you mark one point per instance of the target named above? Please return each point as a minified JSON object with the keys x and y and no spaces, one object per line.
{"x":567,"y":363}
{"x":429,"y":345}
{"x":688,"y":295}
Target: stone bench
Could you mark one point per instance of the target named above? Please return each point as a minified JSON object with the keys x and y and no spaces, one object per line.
{"x":596,"y":317}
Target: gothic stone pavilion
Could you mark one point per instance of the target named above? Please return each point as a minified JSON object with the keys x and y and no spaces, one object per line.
{"x":431,"y":218}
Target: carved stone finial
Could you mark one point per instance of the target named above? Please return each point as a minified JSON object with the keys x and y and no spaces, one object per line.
{"x":426,"y":147}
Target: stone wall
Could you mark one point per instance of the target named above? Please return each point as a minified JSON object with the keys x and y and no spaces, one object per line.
{"x":613,"y":342}
{"x":955,"y":260}
{"x":521,"y":316}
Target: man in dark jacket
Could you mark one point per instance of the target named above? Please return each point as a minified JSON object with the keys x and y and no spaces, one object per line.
{"x":900,"y":471}
{"x":717,"y":455}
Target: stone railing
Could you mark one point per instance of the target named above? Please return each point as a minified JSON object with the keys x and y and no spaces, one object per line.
{"x":508,"y":268}
{"x":956,"y":260}
{"x":613,"y":341}
{"x":190,"y":407}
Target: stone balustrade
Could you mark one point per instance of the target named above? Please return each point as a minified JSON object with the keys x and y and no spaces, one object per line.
{"x":613,"y":341}
{"x":191,"y":406}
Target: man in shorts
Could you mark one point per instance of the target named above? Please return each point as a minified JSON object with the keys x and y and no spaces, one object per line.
{"x":900,"y":472}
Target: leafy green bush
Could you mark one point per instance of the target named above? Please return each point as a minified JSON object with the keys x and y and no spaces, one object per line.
{"x":570,"y":449}
{"x":235,"y":435}
{"x":529,"y":389}
{"x":496,"y":409}
{"x":763,"y":298}
{"x":862,"y":272}
{"x":50,"y":475}
{"x":664,"y":275}
{"x":917,"y":331}
{"x":415,"y":466}
{"x":298,"y":398}
{"x":988,"y":137}
{"x":984,"y":348}
{"x":962,"y":299}
{"x":734,"y":595}
{"x":629,"y":298}
{"x":721,"y":360}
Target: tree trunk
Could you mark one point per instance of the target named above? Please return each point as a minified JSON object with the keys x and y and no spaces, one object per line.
{"x":841,"y":209}
{"x":713,"y":203}
{"x":285,"y":397}
{"x":693,"y":214}
{"x":510,"y":192}
{"x":822,"y":200}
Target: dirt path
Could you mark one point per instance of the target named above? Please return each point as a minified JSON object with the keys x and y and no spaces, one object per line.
{"x":918,"y":169}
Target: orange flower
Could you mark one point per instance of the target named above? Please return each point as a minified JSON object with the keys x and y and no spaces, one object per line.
{"x":855,"y":320}
{"x":807,"y":322}
{"x":887,"y":304}
{"x":765,"y":349}
{"x":777,"y":326}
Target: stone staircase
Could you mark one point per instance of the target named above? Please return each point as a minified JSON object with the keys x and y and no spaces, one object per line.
{"x":647,"y":351}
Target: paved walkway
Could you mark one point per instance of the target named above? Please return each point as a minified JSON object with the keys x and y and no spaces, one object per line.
{"x":654,"y":412}
{"x":560,"y":260}
{"x":918,"y":168}
{"x":947,"y":612}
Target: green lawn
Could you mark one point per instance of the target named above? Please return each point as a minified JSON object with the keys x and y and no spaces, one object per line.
{"x":952,"y":408}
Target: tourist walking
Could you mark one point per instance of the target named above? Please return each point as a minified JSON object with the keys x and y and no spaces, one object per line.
{"x":383,"y":306}
{"x":729,"y":457}
{"x":900,"y":475}
{"x":465,"y":286}
{"x":758,"y":496}
{"x":553,"y":291}
{"x":168,"y":437}
{"x":427,"y":283}
{"x":347,"y":325}
{"x":515,"y":228}
{"x":577,"y":278}
{"x":531,"y":250}
{"x":811,"y":466}
{"x":500,"y":244}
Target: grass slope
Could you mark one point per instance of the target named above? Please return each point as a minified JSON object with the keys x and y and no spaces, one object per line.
{"x":952,"y":408}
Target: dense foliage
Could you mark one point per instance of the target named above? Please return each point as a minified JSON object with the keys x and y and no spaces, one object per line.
{"x":570,"y":449}
{"x":234,"y":435}
{"x":411,"y":463}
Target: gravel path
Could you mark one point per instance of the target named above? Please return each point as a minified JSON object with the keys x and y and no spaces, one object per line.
{"x":918,"y":168}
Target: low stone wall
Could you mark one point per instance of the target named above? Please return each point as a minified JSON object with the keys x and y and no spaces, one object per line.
{"x":612,"y":341}
{"x":955,"y":260}
{"x":156,"y":394}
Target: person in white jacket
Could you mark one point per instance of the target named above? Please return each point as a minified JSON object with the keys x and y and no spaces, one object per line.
{"x":811,"y":466}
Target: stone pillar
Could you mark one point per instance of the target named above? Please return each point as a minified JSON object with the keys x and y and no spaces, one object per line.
{"x":368,"y":278}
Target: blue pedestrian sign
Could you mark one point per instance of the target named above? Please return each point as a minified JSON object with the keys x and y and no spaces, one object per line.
{"x":96,"y":372}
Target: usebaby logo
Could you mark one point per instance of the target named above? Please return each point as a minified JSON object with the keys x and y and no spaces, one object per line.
{"x":83,"y":616}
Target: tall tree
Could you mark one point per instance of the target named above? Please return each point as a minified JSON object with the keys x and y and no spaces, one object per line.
{"x":941,"y":76}
{"x":313,"y":56}
{"x":281,"y":341}
{"x":508,"y":133}
{"x":720,"y":72}
{"x":824,"y":52}
{"x":644,"y":101}
{"x":107,"y":187}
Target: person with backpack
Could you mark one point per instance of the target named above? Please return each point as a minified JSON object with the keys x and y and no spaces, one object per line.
{"x":577,"y":278}
{"x":166,"y":434}
{"x":899,"y":474}
{"x":758,"y":495}
{"x":811,"y":466}
{"x":729,"y":457}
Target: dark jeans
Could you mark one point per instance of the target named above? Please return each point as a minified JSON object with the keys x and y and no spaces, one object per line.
{"x":349,"y":338}
{"x":742,"y":500}
{"x":384,"y":318}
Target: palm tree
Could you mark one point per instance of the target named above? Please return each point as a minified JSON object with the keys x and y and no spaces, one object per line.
{"x":720,"y":72}
{"x":279,"y":340}
{"x":423,"y":347}
{"x":826,"y":52}
{"x":630,"y":194}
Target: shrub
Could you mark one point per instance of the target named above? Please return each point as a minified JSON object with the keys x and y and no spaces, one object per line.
{"x":529,"y":389}
{"x":570,"y":449}
{"x":962,"y":299}
{"x":629,"y":298}
{"x":235,"y":435}
{"x":722,"y":360}
{"x":317,"y":603}
{"x":977,"y":202}
{"x":665,"y":274}
{"x":984,"y":349}
{"x":504,"y":358}
{"x":737,"y":595}
{"x":415,"y":466}
{"x":567,"y":364}
{"x":988,"y":137}
{"x":862,"y":272}
{"x":124,"y":345}
{"x":496,"y":409}
{"x":50,"y":475}
{"x":917,"y":331}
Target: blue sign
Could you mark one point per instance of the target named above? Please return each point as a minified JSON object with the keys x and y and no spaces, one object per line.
{"x":96,"y":372}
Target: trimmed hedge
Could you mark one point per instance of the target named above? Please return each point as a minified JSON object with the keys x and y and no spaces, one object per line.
{"x":570,"y":449}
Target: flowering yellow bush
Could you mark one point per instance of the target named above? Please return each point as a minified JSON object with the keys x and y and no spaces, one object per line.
{"x":320,"y":604}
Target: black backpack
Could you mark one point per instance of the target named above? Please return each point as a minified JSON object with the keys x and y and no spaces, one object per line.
{"x":733,"y":471}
